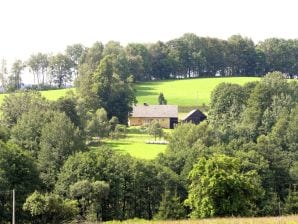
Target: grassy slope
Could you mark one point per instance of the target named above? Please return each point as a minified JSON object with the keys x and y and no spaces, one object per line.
{"x":135,"y":145}
{"x":187,"y":92}
{"x":49,"y":94}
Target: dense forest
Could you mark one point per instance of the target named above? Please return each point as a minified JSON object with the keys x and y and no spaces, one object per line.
{"x":187,"y":56}
{"x":242,"y":161}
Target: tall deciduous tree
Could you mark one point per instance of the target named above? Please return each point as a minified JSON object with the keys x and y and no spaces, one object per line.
{"x":115,"y":95}
{"x":38,"y":63}
{"x":15,"y":76}
{"x":59,"y":139}
{"x":60,"y":69}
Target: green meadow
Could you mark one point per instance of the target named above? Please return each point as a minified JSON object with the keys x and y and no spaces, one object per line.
{"x":135,"y":144}
{"x":48,"y":94}
{"x":186,"y":92}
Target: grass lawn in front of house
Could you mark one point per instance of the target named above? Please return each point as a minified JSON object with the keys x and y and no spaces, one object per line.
{"x":135,"y":144}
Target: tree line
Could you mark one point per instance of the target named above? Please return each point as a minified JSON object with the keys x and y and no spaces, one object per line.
{"x":183,"y":57}
{"x":242,"y":161}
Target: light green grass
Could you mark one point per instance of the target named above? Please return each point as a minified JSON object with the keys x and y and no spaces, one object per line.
{"x":186,"y":92}
{"x":48,"y":94}
{"x":55,"y":94}
{"x":135,"y":145}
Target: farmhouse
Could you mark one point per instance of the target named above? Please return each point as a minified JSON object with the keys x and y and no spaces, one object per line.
{"x":166,"y":115}
{"x":194,"y":116}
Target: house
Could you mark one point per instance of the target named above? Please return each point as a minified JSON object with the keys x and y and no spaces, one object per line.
{"x":194,"y":116}
{"x":166,"y":115}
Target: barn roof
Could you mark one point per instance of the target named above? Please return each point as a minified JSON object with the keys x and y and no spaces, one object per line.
{"x":194,"y":112}
{"x":155,"y":111}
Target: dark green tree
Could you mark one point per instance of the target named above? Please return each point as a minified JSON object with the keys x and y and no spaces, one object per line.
{"x":161,"y":99}
{"x":59,"y":139}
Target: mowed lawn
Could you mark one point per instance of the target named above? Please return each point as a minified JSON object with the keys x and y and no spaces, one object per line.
{"x":186,"y":92}
{"x":263,"y":220}
{"x":135,"y":144}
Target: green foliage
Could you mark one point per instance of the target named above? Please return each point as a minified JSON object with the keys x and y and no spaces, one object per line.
{"x":155,"y":129}
{"x":89,"y":196}
{"x":27,"y":131}
{"x":50,"y":208}
{"x":4,"y":133}
{"x":68,"y":104}
{"x":135,"y":186}
{"x":170,"y":207}
{"x":17,"y":171}
{"x":115,"y":95}
{"x":98,"y":124}
{"x":291,"y":203}
{"x":161,"y":99}
{"x":60,"y":69}
{"x":15,"y":104}
{"x":59,"y":139}
{"x":219,"y":188}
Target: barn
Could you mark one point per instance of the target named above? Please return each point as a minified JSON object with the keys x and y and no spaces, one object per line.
{"x":195,"y":116}
{"x":166,"y":115}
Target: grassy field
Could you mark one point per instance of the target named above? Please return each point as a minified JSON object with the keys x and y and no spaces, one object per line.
{"x":135,"y":144}
{"x":187,"y":92}
{"x":264,"y":220}
{"x":49,"y":94}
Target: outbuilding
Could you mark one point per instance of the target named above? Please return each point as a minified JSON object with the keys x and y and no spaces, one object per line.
{"x":165,"y":115}
{"x":195,"y":116}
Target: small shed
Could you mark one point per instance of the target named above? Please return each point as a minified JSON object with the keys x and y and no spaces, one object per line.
{"x":195,"y":116}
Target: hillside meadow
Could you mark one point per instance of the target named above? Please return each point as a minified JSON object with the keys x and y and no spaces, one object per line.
{"x":186,"y":92}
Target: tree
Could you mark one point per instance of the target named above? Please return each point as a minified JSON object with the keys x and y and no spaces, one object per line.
{"x":218,"y":188}
{"x":50,"y":208}
{"x":17,"y":171}
{"x":89,"y":196}
{"x":27,"y":132}
{"x":75,"y":53}
{"x":15,"y":104}
{"x":155,"y":129}
{"x":170,"y":207}
{"x":161,"y":99}
{"x":98,"y":124}
{"x":38,"y":63}
{"x":60,"y":69}
{"x":3,"y":74}
{"x":68,"y":105}
{"x":116,"y":96}
{"x":15,"y":77}
{"x":160,"y":60}
{"x":242,"y":55}
{"x":138,"y":60}
{"x":59,"y":139}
